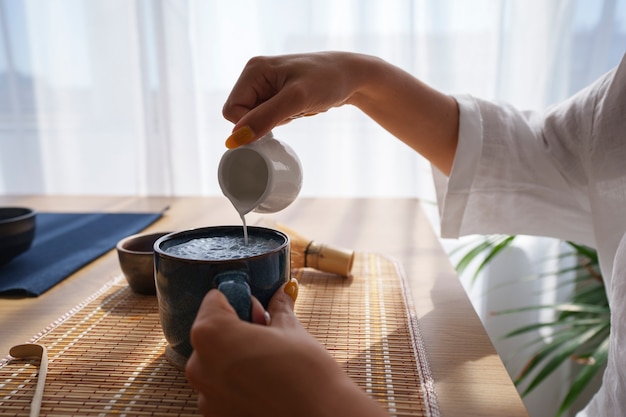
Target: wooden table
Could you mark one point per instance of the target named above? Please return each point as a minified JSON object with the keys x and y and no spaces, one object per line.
{"x":470,"y":379}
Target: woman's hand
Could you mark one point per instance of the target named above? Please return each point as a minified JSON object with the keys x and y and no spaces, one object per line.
{"x":274,"y":90}
{"x":278,"y":369}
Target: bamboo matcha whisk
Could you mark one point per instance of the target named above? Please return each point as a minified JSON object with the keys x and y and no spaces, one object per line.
{"x":309,"y":253}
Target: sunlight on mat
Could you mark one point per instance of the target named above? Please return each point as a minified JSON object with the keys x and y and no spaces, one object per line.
{"x":106,"y":356}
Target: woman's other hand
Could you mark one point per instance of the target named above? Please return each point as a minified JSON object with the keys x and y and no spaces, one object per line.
{"x":276,"y":369}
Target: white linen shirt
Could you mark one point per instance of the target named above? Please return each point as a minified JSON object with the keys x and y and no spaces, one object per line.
{"x":561,"y":174}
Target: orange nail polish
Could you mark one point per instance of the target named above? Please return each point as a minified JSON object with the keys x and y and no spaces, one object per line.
{"x":291,"y":288}
{"x":240,"y":137}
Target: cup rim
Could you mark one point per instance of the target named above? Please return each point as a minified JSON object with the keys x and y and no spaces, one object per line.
{"x":121,"y":248}
{"x":23,"y":213}
{"x":198,"y":231}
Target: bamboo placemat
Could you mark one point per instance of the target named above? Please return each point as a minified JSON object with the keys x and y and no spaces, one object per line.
{"x":107,"y":355}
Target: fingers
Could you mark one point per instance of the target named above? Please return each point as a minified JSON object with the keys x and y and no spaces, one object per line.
{"x":215,"y":304}
{"x":288,"y":104}
{"x":291,"y":289}
{"x":208,"y":338}
{"x":216,"y":313}
{"x":274,"y":90}
{"x":222,"y":344}
{"x":257,"y":86}
{"x":282,"y":304}
{"x":215,"y":309}
{"x":259,"y":315}
{"x":260,"y":120}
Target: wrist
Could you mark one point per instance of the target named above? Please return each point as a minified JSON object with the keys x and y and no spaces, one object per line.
{"x":368,"y":76}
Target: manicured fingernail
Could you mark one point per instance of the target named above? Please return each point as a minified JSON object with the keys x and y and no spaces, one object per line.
{"x":240,"y":137}
{"x":291,"y":288}
{"x":268,"y":318}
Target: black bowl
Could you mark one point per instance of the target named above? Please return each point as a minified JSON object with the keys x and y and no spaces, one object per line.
{"x":17,"y":231}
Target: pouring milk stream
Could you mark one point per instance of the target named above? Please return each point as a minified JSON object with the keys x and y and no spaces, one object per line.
{"x":264,"y":176}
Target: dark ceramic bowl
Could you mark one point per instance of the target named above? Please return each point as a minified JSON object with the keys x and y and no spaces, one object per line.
{"x":136,"y":256}
{"x":17,"y":231}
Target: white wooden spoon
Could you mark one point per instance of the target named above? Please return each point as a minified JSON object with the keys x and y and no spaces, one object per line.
{"x":36,"y":351}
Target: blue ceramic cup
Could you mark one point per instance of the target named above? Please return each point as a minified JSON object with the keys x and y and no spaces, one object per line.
{"x":189,"y":264}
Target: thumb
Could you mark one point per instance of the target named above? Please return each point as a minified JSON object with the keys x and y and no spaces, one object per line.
{"x":250,"y":128}
{"x":282,"y":304}
{"x":260,"y":120}
{"x":216,"y":305}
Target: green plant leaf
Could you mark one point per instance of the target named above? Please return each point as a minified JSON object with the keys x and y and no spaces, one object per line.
{"x":565,"y":351}
{"x":584,"y":377}
{"x":489,"y":247}
{"x":559,"y":338}
{"x":553,"y":324}
{"x":471,"y":255}
{"x":544,"y":352}
{"x":495,"y":250}
{"x":585,"y":251}
{"x":569,"y":307}
{"x":593,"y":296}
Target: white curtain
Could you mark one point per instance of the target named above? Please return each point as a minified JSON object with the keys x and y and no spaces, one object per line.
{"x":124,"y":97}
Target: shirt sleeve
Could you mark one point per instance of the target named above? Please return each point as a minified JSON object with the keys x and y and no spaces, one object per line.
{"x":506,"y":177}
{"x":558,"y":173}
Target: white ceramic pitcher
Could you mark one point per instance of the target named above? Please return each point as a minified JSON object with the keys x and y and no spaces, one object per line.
{"x":264,"y":176}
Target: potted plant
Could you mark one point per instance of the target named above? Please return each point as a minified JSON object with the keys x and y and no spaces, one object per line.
{"x":580,"y":330}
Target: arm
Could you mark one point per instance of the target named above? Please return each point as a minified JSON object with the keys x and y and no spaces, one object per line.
{"x":273,"y":90}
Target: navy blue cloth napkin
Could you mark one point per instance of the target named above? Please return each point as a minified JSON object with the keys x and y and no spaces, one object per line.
{"x":63,"y":243}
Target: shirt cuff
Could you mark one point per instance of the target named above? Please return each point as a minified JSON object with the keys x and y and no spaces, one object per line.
{"x":453,"y":192}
